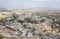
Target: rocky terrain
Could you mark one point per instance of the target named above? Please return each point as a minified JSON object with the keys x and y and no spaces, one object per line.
{"x":29,"y":25}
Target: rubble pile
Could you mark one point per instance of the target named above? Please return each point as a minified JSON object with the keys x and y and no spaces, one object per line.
{"x":40,"y":26}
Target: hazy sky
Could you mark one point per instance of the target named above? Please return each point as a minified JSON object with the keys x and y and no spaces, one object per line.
{"x":30,"y":3}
